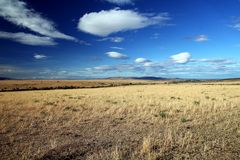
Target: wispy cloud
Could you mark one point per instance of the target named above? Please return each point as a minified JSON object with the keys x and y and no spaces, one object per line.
{"x":201,"y":38}
{"x":120,"y":2}
{"x":142,"y":60}
{"x":119,"y":48}
{"x":95,"y":58}
{"x":112,"y":39}
{"x":28,"y":39}
{"x":214,"y":61}
{"x":155,"y":36}
{"x":40,"y":56}
{"x":13,"y":71}
{"x":7,"y":69}
{"x":236,"y":23}
{"x":82,"y":42}
{"x":106,"y":22}
{"x":174,"y":71}
{"x":124,"y":68}
{"x":116,"y":55}
{"x":17,"y":12}
{"x":198,"y":38}
{"x":193,"y":69}
{"x":104,"y":68}
{"x":181,"y":58}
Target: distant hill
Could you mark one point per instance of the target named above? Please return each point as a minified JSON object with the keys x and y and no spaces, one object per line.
{"x":138,"y":78}
{"x":5,"y":78}
{"x":231,"y":79}
{"x":171,"y":79}
{"x":150,"y":78}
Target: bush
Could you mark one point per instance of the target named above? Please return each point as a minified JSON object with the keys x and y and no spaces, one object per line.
{"x":163,"y":114}
{"x":183,"y":120}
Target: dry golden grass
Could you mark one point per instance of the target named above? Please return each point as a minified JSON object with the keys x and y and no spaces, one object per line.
{"x":21,"y":85}
{"x":152,"y":122}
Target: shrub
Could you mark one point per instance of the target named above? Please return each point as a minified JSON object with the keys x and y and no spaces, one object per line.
{"x":183,"y":120}
{"x":163,"y":114}
{"x":196,"y":102}
{"x":36,"y":101}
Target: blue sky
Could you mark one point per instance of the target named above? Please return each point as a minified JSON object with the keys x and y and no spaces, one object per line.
{"x":108,"y":38}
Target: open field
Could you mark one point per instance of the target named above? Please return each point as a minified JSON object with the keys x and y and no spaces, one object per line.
{"x":25,"y":85}
{"x":152,"y":122}
{"x":30,"y":85}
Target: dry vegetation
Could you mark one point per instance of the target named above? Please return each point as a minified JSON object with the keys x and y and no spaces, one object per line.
{"x":24,"y":85}
{"x":152,"y":122}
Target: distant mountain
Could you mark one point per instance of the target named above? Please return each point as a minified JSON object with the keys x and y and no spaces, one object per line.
{"x":150,"y":78}
{"x":138,"y":78}
{"x":5,"y":78}
{"x":231,"y":79}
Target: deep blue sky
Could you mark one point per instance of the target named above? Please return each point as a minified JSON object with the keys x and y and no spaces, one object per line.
{"x":106,"y":38}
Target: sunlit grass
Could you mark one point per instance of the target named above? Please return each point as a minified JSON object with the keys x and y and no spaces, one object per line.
{"x":130,"y":122}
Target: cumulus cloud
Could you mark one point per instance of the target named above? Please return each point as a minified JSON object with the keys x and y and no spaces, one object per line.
{"x":40,"y":56}
{"x":28,"y":39}
{"x":181,"y":58}
{"x":106,"y":22}
{"x":116,"y":55}
{"x":113,"y":39}
{"x":17,"y":12}
{"x":142,"y":60}
{"x":120,"y":2}
{"x":201,"y":38}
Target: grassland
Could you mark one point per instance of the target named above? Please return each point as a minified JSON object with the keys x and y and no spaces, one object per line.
{"x":29,"y":85}
{"x":152,"y":122}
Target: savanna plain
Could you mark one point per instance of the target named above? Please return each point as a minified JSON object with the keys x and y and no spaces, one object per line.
{"x":154,"y":121}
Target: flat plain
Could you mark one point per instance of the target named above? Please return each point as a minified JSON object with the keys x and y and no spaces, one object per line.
{"x":28,"y":85}
{"x":135,"y":122}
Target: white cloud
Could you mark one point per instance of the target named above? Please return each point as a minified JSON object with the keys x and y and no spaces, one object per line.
{"x":201,"y":38}
{"x":16,"y":12}
{"x":150,"y":64}
{"x":214,"y":61}
{"x":7,"y":69}
{"x":106,"y":22}
{"x":117,"y":39}
{"x":83,"y":42}
{"x":181,"y":58}
{"x":236,"y":23}
{"x":236,"y":26}
{"x":40,"y":56}
{"x":116,"y":55}
{"x":123,"y":68}
{"x":103,"y":68}
{"x":28,"y":39}
{"x":142,"y":60}
{"x":155,"y":36}
{"x":113,"y":39}
{"x":120,"y":2}
{"x":119,"y":48}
